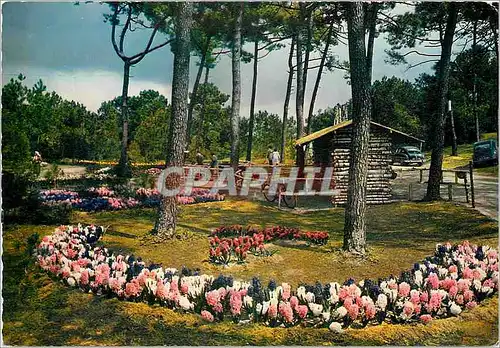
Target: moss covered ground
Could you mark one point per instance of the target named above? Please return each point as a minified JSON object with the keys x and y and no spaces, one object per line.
{"x":41,"y":311}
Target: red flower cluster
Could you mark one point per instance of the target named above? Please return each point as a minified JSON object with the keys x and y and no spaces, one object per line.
{"x":234,"y":240}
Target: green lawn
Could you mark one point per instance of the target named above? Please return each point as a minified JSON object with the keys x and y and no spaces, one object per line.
{"x":41,"y":311}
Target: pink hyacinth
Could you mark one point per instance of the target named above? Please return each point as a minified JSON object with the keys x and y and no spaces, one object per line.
{"x":218,"y":308}
{"x":343,"y":293}
{"x":302,"y":311}
{"x":468,"y":295}
{"x":84,"y":279}
{"x":404,"y":289}
{"x":434,"y":302}
{"x":212,"y":297}
{"x":132,"y":289}
{"x":426,"y":318}
{"x":424,"y":297}
{"x":453,"y":269}
{"x":459,"y":299}
{"x":235,"y":303}
{"x":286,"y":311}
{"x":471,"y":304}
{"x":206,"y":315}
{"x":448,"y":283}
{"x":273,"y":311}
{"x":353,"y":311}
{"x":418,"y":309}
{"x":414,"y":297}
{"x":222,"y":293}
{"x":370,"y":311}
{"x":185,"y":288}
{"x":161,"y":290}
{"x":467,"y":273}
{"x":294,"y":302}
{"x":286,"y":291}
{"x":463,"y":285}
{"x":433,"y":280}
{"x":453,"y":291}
{"x":408,"y":308}
{"x":359,"y":301}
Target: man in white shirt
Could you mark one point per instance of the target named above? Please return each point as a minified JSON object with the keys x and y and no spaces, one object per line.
{"x":275,"y":158}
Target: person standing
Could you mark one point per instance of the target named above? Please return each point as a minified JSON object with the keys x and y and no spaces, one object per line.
{"x":199,"y":158}
{"x":269,"y":155}
{"x":275,"y":157}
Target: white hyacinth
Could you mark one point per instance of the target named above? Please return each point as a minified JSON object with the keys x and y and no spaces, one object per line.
{"x":265,"y":307}
{"x":247,"y":301}
{"x":316,"y":309}
{"x":455,"y":309}
{"x":419,"y":279}
{"x":309,"y":297}
{"x":185,"y":304}
{"x":326,"y":315}
{"x":341,"y":312}
{"x":71,"y":281}
{"x":258,"y":308}
{"x":335,"y":327}
{"x":382,"y":301}
{"x":442,"y":272}
{"x":334,"y":299}
{"x":301,"y":293}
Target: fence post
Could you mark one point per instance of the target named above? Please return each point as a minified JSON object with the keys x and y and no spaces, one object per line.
{"x":471,"y":172}
{"x":410,"y":198}
{"x":450,"y":192}
{"x":421,"y":175}
{"x":466,"y":189}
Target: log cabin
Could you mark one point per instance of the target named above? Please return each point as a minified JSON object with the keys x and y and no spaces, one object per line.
{"x":331,"y":148}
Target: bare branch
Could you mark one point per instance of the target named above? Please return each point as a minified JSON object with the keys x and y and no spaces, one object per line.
{"x":420,"y":54}
{"x":141,"y":23}
{"x":113,"y":31}
{"x":264,"y":56}
{"x":274,"y":41}
{"x":148,"y":51}
{"x":124,"y":30}
{"x":415,"y":65}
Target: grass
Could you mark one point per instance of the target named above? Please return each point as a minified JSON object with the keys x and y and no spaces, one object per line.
{"x":464,"y":156}
{"x":41,"y":311}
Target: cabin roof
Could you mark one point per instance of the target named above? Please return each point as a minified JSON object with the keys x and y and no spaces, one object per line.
{"x":313,"y":136}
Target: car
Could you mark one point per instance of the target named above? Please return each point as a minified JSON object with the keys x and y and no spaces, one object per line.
{"x":485,"y":153}
{"x":407,"y":155}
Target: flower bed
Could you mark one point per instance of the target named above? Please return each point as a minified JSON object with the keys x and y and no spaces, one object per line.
{"x":236,"y":242}
{"x":455,"y":278}
{"x":102,"y":198}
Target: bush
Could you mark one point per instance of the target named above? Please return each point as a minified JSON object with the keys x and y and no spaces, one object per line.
{"x":34,"y":212}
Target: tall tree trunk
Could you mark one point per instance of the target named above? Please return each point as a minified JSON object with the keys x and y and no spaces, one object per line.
{"x":354,"y":227}
{"x":203,"y":108}
{"x":236,"y":97}
{"x":454,"y":147}
{"x":372,"y":26}
{"x":474,"y":81}
{"x":318,"y":78}
{"x":194,"y":94}
{"x":167,"y":211}
{"x":307,"y":46}
{"x":437,"y":129}
{"x":252,"y":101}
{"x":287,"y":100}
{"x":299,"y":96}
{"x":123,"y":167}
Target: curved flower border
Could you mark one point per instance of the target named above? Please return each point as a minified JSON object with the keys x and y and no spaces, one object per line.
{"x":455,"y":278}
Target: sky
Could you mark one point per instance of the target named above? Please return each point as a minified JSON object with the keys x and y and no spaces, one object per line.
{"x":69,"y":48}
